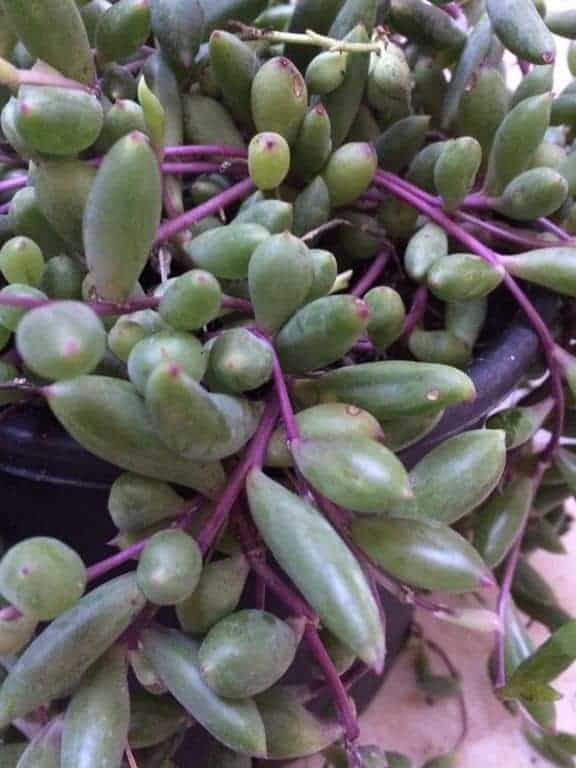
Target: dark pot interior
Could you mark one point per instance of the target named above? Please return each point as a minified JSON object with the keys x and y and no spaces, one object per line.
{"x":50,"y":486}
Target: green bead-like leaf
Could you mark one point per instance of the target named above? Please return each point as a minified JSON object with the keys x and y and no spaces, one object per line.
{"x":521,"y":424}
{"x":501,"y":521}
{"x":121,"y":216}
{"x":107,"y":417}
{"x":349,"y":172}
{"x":553,"y":268}
{"x":246,"y":653}
{"x":169,"y":567}
{"x":62,"y":189}
{"x":342,"y":105}
{"x":195,"y":423}
{"x":61,"y":340}
{"x":279,"y":98}
{"x":136,"y":502}
{"x":472,"y":57}
{"x":458,"y":475}
{"x":42,"y":577}
{"x":421,"y":553}
{"x":291,"y":730}
{"x":391,"y":389}
{"x":321,"y":333}
{"x":268,"y":160}
{"x":98,"y":716}
{"x":398,"y":145}
{"x":463,"y":276}
{"x":280,"y":276}
{"x":312,"y":209}
{"x":234,"y":65}
{"x":387,"y":316}
{"x":424,"y":249}
{"x":216,"y":596}
{"x":54,"y":32}
{"x":354,"y":472}
{"x":58,"y":657}
{"x":518,"y":137}
{"x":301,"y":540}
{"x":426,"y":25}
{"x":323,"y":422}
{"x":456,"y":168}
{"x":313,"y":143}
{"x":190,"y":301}
{"x":21,"y":261}
{"x":522,"y":30}
{"x":123,"y":29}
{"x":439,"y":347}
{"x":534,"y":193}
{"x":178,"y":25}
{"x":177,"y":347}
{"x":239,"y":362}
{"x":58,"y":121}
{"x":153,"y":719}
{"x":237,"y":724}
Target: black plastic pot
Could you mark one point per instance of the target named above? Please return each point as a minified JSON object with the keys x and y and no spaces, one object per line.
{"x":49,"y":485}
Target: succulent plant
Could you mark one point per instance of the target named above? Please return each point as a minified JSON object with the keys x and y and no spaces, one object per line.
{"x":250,"y":251}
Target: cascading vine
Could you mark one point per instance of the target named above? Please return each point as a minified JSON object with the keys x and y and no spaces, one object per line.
{"x":249,"y":251}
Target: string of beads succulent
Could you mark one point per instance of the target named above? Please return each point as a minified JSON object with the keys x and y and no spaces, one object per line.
{"x":250,"y":254}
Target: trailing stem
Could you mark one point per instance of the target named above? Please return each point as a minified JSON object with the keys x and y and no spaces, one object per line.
{"x":235,"y":485}
{"x":411,"y":195}
{"x":230,"y":196}
{"x":372,"y":273}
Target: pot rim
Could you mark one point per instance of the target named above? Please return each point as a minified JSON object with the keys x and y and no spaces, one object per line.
{"x":34,"y":446}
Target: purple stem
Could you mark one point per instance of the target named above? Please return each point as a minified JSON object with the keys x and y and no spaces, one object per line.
{"x":4,"y":208}
{"x":16,"y":182}
{"x":476,"y":200}
{"x":34,"y":77}
{"x":288,"y":417}
{"x":253,"y":552}
{"x":523,"y":65}
{"x":9,"y":160}
{"x":525,"y":241}
{"x":503,"y":603}
{"x":405,"y":192}
{"x":453,"y":10}
{"x":183,"y":168}
{"x":347,"y":716}
{"x":253,"y":457}
{"x":135,"y":66}
{"x":110,"y":308}
{"x":98,"y":570}
{"x":371,"y":195}
{"x":115,"y":561}
{"x":549,"y":226}
{"x":372,"y":274}
{"x":201,"y":150}
{"x":286,"y":410}
{"x":299,"y":608}
{"x":417,"y":311}
{"x":230,"y":196}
